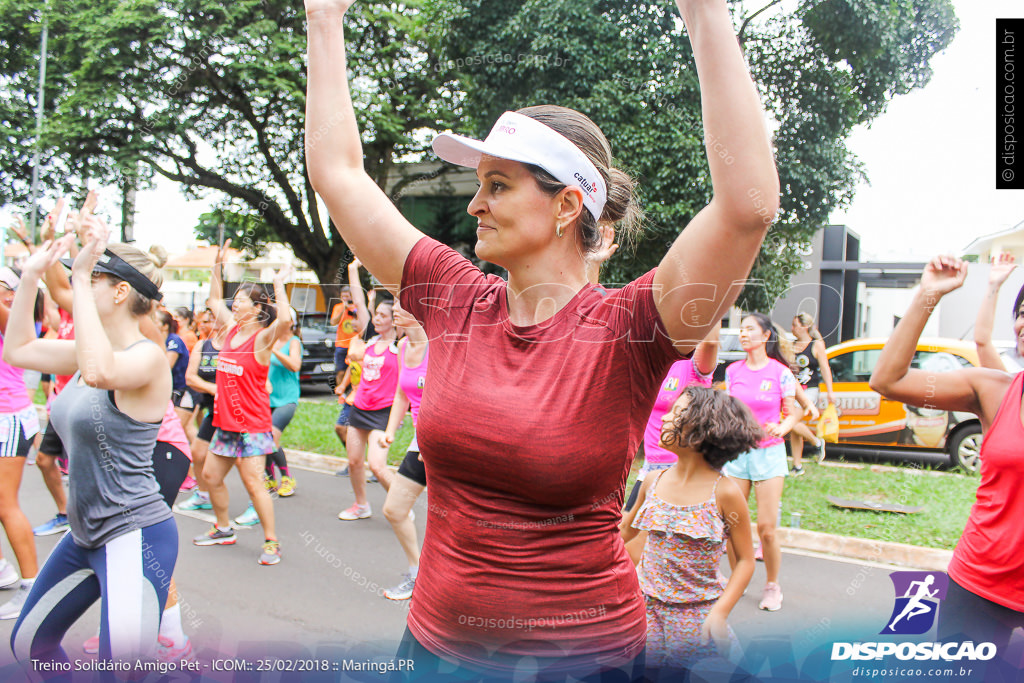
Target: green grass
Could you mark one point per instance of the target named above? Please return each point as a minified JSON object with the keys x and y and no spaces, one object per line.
{"x":312,"y":429}
{"x":946,"y":499}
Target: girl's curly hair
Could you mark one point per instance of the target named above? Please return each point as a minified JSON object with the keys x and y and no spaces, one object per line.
{"x":715,"y":424}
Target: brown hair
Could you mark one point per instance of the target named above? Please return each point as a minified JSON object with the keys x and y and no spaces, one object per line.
{"x":149,"y":264}
{"x":622,"y":206}
{"x":718,"y":426}
{"x":267,"y":313}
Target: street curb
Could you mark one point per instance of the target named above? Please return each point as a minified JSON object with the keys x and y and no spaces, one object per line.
{"x":900,"y":554}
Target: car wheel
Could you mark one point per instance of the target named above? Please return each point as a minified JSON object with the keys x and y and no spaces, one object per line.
{"x":965,"y":448}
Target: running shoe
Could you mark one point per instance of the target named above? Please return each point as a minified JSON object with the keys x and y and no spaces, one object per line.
{"x":216,"y":537}
{"x":167,"y":653}
{"x":248,"y":518}
{"x":402,"y":591}
{"x":195,"y":502}
{"x":797,"y":471}
{"x":92,"y":645}
{"x":271,"y":553}
{"x":8,"y":575}
{"x":270,"y":483}
{"x":189,"y":484}
{"x":771,"y":599}
{"x":343,"y":472}
{"x":12,"y":609}
{"x":819,"y":457}
{"x":57,"y":525}
{"x":355,"y":512}
{"x":287,"y":487}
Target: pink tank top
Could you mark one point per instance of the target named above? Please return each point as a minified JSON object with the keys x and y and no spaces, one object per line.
{"x":13,"y":395}
{"x":379,"y":377}
{"x":172,"y":432}
{"x":763,"y":391}
{"x":411,"y":381}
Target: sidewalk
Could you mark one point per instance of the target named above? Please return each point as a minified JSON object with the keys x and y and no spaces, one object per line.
{"x":898,"y":554}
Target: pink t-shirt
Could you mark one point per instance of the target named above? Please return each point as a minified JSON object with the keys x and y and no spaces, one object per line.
{"x":762,"y":390}
{"x":172,"y":432}
{"x":411,"y":381}
{"x":379,"y":378}
{"x":13,"y":395}
{"x":681,"y":375}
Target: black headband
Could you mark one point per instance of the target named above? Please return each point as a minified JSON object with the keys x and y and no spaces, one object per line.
{"x":112,"y":264}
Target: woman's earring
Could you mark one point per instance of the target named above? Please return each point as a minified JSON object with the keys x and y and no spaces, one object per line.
{"x":558,"y":230}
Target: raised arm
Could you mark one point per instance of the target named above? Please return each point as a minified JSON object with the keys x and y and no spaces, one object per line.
{"x":1001,"y":268}
{"x":705,"y":356}
{"x":103,"y":367}
{"x":358,"y":296}
{"x":21,"y":346}
{"x":959,"y":390}
{"x":367,"y":220}
{"x":282,"y":324}
{"x":695,"y":289}
{"x":215,"y":302}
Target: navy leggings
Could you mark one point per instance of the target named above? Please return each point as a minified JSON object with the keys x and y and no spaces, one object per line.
{"x":129,"y":575}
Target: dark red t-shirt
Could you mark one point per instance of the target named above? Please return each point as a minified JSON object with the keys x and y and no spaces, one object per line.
{"x":989,"y":559}
{"x":242,"y":403}
{"x":527,"y":435}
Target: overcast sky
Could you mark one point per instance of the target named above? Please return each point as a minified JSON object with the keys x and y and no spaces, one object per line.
{"x":929,"y":158}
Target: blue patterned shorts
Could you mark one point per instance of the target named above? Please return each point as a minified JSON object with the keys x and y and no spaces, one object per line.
{"x":241,"y":445}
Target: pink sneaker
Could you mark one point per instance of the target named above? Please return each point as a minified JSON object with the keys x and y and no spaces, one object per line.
{"x":91,"y":646}
{"x":188,"y":484}
{"x":355,"y":512}
{"x":758,"y":552}
{"x":771,"y":599}
{"x":167,"y":653}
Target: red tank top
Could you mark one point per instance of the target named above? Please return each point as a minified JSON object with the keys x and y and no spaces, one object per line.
{"x":989,"y":559}
{"x":242,"y":403}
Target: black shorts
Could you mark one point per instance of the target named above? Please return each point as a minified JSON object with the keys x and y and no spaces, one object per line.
{"x":206,"y":428}
{"x":46,"y":377}
{"x":177,"y":395}
{"x":170,"y":466}
{"x":51,"y":444}
{"x":412,"y":468}
{"x":369,"y":419}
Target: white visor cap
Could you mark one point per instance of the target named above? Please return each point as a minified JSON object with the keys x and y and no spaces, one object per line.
{"x":519,"y":138}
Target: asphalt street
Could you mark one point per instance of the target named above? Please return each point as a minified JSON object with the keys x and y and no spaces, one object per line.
{"x":325,"y":597}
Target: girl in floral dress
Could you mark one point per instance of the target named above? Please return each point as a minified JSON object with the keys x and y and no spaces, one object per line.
{"x":678,"y":529}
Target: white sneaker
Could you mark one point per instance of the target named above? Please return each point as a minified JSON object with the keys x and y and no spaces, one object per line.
{"x":355,"y":512}
{"x":8,"y":576}
{"x":12,"y":608}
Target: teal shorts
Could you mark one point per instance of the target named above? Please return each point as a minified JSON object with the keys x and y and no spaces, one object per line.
{"x":759,"y":464}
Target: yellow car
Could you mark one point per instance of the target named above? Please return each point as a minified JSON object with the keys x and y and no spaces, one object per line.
{"x":868,"y":419}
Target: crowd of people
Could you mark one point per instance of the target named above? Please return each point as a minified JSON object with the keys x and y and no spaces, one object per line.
{"x":531,"y":398}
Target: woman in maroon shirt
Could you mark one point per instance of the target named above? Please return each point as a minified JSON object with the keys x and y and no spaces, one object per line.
{"x":522,"y":566}
{"x":985,"y":599}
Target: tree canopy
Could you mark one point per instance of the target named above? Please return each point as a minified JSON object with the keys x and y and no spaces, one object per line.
{"x":211,"y":95}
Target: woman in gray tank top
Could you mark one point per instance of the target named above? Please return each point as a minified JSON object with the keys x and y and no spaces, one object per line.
{"x":123,"y":542}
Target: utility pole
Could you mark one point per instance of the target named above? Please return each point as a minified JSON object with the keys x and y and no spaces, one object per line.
{"x":34,"y":194}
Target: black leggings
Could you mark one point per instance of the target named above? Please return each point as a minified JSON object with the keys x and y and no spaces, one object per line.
{"x":426,"y":667}
{"x":966,"y":616}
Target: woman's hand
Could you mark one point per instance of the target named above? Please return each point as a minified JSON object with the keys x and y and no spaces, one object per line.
{"x":942,"y":275}
{"x":1002,"y":266}
{"x":283,"y":274}
{"x":44,"y":257}
{"x":96,"y":235}
{"x":774,"y":429}
{"x":328,"y":5}
{"x":222,"y":253}
{"x":812,"y":410}
{"x":386,"y":439}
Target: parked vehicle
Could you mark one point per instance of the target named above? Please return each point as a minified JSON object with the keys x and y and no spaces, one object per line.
{"x":317,"y":349}
{"x":868,"y":419}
